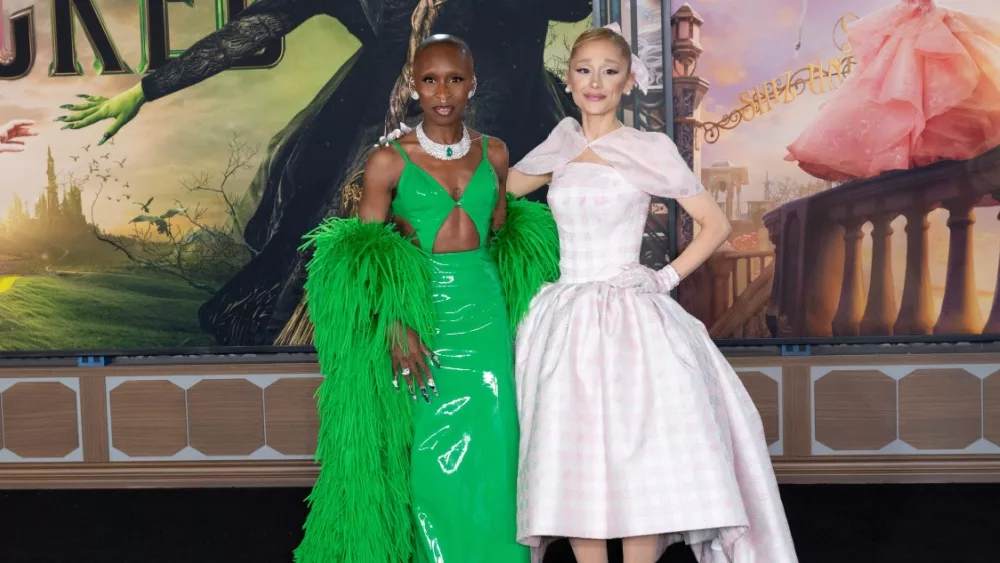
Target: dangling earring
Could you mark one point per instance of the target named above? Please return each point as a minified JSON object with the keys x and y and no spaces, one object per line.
{"x":474,"y":85}
{"x":413,"y":91}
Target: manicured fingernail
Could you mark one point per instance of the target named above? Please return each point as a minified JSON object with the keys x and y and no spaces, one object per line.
{"x":395,"y":383}
{"x":65,"y":127}
{"x":66,"y":106}
{"x":430,"y":383}
{"x":423,"y":391}
{"x":60,"y":118}
{"x":82,"y":96}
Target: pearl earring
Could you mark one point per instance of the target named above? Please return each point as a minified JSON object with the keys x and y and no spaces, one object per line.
{"x":415,"y":95}
{"x":569,"y":90}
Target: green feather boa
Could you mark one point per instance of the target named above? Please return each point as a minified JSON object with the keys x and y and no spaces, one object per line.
{"x":526,"y":250}
{"x":363,"y":278}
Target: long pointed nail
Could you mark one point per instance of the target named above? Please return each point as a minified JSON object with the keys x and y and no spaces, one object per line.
{"x":60,"y":118}
{"x":434,"y":358}
{"x":66,"y":106}
{"x":395,"y":383}
{"x":423,"y":391}
{"x":430,"y":383}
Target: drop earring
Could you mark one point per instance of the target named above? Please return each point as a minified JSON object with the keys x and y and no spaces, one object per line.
{"x":413,"y":91}
{"x":475,"y":84}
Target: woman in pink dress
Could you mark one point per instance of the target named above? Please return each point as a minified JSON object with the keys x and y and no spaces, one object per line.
{"x":925,"y":87}
{"x":633,"y":425}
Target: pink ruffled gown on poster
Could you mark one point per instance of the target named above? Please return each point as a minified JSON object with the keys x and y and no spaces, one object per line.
{"x":926,"y":87}
{"x":632,"y":422}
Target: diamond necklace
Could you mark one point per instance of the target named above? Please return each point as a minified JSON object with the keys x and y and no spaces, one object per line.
{"x":441,"y":151}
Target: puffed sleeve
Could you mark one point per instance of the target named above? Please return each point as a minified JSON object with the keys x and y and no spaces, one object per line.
{"x":669,"y":175}
{"x":563,"y":144}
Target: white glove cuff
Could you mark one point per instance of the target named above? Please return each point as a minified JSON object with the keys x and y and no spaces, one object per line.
{"x":670,"y":277}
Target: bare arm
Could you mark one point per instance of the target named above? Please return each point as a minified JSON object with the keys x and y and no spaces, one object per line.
{"x":382,"y":171}
{"x":499,"y":159}
{"x":521,"y":184}
{"x":715,"y":229}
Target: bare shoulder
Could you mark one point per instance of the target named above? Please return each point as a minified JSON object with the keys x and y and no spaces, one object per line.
{"x":383,"y":169}
{"x":497,"y":152}
{"x":384,"y":156}
{"x":384,"y":159}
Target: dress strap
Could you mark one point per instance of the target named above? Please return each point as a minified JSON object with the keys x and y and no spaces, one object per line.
{"x":402,"y":153}
{"x":485,"y":144}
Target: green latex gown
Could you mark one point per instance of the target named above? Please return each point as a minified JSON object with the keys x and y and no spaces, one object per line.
{"x":464,"y":460}
{"x":403,"y":481}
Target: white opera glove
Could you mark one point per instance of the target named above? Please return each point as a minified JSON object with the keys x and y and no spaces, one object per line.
{"x":384,"y":140}
{"x":647,"y":280}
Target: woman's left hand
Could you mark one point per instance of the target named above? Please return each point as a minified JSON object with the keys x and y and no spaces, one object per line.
{"x":646,"y":280}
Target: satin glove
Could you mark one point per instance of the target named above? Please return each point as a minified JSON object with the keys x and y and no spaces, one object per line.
{"x":647,"y":280}
{"x":384,"y":140}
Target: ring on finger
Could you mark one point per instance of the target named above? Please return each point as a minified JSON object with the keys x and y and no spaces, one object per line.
{"x":405,"y":372}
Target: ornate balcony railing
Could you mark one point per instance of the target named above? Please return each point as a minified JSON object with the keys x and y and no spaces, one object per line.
{"x":818,"y":288}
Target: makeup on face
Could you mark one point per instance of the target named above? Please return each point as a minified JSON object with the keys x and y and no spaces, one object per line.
{"x":443,"y":81}
{"x":597,"y":76}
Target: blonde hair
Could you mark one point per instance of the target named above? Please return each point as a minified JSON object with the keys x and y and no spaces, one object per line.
{"x":604,"y":34}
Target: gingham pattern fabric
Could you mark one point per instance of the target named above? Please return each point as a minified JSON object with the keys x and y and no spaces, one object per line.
{"x":632,"y":422}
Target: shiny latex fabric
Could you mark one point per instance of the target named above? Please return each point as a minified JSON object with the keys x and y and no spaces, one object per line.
{"x":464,"y":458}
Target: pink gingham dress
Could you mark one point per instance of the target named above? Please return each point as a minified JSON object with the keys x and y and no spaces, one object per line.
{"x":632,"y":422}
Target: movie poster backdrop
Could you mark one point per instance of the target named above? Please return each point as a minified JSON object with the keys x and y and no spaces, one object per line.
{"x":853,"y":146}
{"x":183,"y":149}
{"x":236,"y":129}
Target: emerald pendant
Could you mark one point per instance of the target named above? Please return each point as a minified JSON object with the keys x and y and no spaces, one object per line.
{"x":448,"y":152}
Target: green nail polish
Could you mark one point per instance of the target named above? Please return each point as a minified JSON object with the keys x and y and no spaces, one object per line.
{"x":66,"y":106}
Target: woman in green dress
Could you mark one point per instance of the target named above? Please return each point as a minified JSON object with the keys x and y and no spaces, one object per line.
{"x":414,"y":303}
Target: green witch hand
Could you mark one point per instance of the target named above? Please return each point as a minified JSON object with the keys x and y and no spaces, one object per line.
{"x":122,"y":108}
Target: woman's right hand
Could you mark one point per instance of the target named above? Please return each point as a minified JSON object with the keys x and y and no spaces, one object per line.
{"x":409,"y":356}
{"x":122,"y":108}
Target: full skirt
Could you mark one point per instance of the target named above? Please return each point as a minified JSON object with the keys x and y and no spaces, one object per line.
{"x":632,"y":424}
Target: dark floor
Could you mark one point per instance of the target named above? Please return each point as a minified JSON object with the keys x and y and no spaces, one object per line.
{"x":830,"y":524}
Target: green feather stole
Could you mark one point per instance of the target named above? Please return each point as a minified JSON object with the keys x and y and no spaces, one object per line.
{"x":363,"y":278}
{"x":526,"y":250}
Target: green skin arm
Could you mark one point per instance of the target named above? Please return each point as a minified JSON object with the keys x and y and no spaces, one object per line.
{"x":122,"y":108}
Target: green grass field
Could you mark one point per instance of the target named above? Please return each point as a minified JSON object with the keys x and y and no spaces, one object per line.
{"x":98,"y":310}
